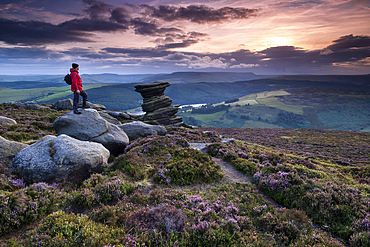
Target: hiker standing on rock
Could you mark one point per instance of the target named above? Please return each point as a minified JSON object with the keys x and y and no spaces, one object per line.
{"x":76,"y":88}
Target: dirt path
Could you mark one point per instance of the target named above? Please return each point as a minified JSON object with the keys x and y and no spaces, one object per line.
{"x":233,"y":175}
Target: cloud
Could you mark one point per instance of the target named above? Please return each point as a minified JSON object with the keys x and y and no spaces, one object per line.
{"x":243,"y":66}
{"x":349,"y":42}
{"x":37,"y":33}
{"x":27,"y":52}
{"x":120,"y":15}
{"x":198,"y":13}
{"x":326,"y":52}
{"x":97,"y":9}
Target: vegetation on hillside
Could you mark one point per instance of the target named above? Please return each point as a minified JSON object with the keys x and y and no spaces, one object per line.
{"x":317,"y":108}
{"x":160,"y":192}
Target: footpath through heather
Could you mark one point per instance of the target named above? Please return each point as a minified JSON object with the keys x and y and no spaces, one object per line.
{"x":232,"y":175}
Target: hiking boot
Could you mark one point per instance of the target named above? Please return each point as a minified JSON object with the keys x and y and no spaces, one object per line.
{"x":85,"y":107}
{"x":77,"y":112}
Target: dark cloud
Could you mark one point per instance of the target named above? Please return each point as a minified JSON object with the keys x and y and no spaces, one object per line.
{"x":186,"y":40}
{"x":97,"y":9}
{"x":88,"y":25}
{"x":37,"y":33}
{"x":120,"y":15}
{"x":299,"y":3}
{"x":350,"y":41}
{"x":141,"y":53}
{"x":151,"y":28}
{"x":198,"y":13}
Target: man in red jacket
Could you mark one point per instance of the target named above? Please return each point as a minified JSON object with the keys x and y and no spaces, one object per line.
{"x":76,"y":88}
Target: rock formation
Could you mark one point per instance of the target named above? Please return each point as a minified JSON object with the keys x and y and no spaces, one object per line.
{"x":8,"y":150}
{"x":138,"y":129}
{"x":67,"y":104}
{"x":6,"y":122}
{"x":157,"y":106}
{"x":59,"y":159}
{"x":90,"y":126}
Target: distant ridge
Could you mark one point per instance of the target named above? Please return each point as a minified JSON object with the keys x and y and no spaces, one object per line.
{"x":196,"y":77}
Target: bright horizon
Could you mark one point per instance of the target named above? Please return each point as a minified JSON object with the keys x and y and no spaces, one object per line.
{"x":150,"y":37}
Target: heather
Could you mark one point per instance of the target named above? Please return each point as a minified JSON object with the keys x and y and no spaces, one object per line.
{"x":162,"y":192}
{"x":334,"y":193}
{"x":31,"y":125}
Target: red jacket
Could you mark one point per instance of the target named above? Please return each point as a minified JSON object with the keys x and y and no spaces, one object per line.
{"x":76,"y":80}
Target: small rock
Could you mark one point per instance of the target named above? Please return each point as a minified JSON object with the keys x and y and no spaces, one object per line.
{"x":6,"y":122}
{"x":8,"y":150}
{"x":109,"y":118}
{"x":139,"y":129}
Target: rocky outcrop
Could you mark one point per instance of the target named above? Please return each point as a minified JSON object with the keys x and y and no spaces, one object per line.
{"x":60,"y":159}
{"x":8,"y":150}
{"x":97,"y":107}
{"x":157,"y":106}
{"x":120,"y":115}
{"x":90,"y":126}
{"x":6,"y":122}
{"x":139,"y":129}
{"x":109,"y":118}
{"x":67,"y":104}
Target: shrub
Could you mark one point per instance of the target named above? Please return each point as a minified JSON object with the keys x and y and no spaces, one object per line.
{"x":60,"y":229}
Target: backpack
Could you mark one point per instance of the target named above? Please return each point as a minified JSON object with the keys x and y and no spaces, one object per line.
{"x":68,"y":79}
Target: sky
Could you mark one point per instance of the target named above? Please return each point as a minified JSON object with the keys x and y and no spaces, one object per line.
{"x":266,"y":37}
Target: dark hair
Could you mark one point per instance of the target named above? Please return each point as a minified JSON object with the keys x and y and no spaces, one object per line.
{"x":74,"y":65}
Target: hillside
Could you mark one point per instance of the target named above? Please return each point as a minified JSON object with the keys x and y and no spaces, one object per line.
{"x":266,"y":187}
{"x":320,"y":102}
{"x":316,"y":108}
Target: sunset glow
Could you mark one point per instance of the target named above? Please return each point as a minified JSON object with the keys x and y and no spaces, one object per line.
{"x":108,"y":36}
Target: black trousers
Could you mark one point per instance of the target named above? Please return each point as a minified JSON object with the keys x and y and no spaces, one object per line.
{"x":76,"y":99}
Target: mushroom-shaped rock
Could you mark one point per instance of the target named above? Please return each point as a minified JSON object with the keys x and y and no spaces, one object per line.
{"x":90,"y":126}
{"x":60,"y":159}
{"x":8,"y":150}
{"x":139,"y":129}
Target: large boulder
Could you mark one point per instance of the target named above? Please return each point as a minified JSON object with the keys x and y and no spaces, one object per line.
{"x":65,"y":104}
{"x":60,"y":159}
{"x":139,"y":129}
{"x":6,"y":122}
{"x":8,"y":150}
{"x":90,"y":126}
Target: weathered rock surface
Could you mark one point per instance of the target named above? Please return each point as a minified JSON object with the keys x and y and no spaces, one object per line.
{"x":60,"y":159}
{"x":97,"y":107}
{"x":6,"y":122}
{"x":8,"y":150}
{"x":67,"y":104}
{"x":139,"y":129}
{"x":120,"y":115}
{"x":90,"y":126}
{"x":157,"y":106}
{"x":109,"y":118}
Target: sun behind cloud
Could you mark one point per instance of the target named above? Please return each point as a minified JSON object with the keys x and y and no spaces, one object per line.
{"x":277,"y":41}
